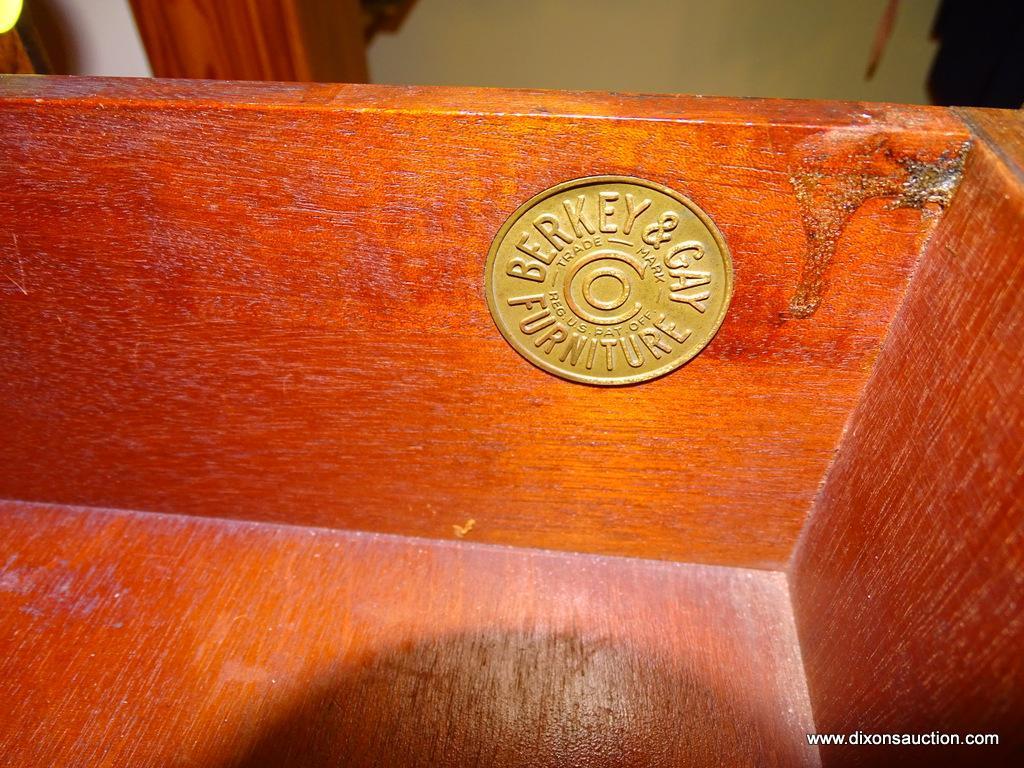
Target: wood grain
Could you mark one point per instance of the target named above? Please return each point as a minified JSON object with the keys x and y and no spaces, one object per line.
{"x":908,"y":584}
{"x":265,"y":301}
{"x":1001,"y":129}
{"x":150,"y":640}
{"x":305,"y":40}
{"x":14,"y":59}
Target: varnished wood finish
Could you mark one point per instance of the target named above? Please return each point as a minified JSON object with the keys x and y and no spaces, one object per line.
{"x":154,"y":641}
{"x":909,"y":583}
{"x":1001,"y":129}
{"x":266,"y":302}
{"x":244,"y":40}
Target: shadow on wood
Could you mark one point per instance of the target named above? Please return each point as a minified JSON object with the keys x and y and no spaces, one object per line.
{"x":519,"y":699}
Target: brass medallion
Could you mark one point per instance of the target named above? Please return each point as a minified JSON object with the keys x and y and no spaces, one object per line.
{"x":608,"y":280}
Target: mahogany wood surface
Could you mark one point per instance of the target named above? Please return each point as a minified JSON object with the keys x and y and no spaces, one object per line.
{"x":265,"y":301}
{"x":245,"y":40}
{"x":908,"y":586}
{"x":134,"y":639}
{"x":1002,"y":129}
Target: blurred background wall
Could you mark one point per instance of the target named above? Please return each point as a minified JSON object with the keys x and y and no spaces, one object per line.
{"x":784,"y":48}
{"x":787,"y":48}
{"x":90,"y":37}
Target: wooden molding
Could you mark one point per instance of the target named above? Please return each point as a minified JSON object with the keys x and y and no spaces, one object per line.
{"x":241,"y":40}
{"x":13,"y":58}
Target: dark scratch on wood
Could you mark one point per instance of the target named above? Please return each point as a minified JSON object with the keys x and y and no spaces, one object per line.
{"x":828,"y":200}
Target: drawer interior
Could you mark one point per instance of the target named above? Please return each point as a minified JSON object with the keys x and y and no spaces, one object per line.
{"x":279,"y":493}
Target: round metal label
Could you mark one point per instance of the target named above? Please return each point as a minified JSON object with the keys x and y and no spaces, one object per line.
{"x":608,"y":280}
